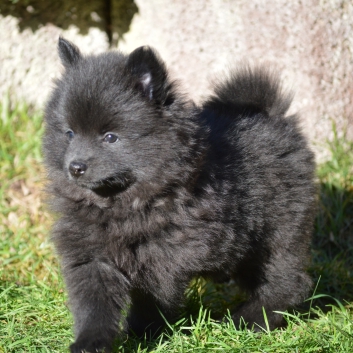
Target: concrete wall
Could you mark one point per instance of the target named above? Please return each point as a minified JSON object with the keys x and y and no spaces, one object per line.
{"x":311,"y":42}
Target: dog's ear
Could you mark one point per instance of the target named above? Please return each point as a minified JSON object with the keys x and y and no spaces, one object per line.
{"x":150,"y":73}
{"x":68,"y":53}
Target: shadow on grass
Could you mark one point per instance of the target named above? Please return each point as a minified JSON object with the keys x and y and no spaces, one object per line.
{"x":332,"y":265}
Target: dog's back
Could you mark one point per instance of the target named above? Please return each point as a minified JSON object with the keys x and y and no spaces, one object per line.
{"x":262,"y":159}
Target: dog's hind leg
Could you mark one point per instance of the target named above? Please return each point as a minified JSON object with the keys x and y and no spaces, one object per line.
{"x":282,"y":283}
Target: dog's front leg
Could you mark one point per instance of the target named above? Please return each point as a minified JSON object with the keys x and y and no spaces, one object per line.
{"x":98,"y":295}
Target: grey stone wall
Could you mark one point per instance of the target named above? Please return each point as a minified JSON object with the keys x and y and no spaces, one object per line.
{"x":310,"y":42}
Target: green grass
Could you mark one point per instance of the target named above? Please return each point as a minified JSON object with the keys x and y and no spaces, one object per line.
{"x":33,"y":313}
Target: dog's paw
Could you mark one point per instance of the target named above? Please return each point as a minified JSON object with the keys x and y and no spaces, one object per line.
{"x":90,"y":346}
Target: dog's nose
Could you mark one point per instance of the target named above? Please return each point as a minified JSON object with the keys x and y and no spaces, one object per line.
{"x":77,"y":169}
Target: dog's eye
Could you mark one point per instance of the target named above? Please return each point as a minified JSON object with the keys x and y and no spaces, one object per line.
{"x":110,"y":138}
{"x":70,"y":134}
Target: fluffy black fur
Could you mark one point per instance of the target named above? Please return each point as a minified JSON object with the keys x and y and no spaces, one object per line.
{"x":153,"y":191}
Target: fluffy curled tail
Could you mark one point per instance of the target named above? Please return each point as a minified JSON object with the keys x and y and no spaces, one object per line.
{"x":255,"y":88}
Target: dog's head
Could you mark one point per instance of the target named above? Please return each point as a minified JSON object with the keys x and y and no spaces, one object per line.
{"x":115,"y":120}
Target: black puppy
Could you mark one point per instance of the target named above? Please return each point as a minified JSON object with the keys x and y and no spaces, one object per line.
{"x":153,"y":191}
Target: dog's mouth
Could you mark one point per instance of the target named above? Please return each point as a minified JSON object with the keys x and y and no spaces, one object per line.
{"x":109,"y":186}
